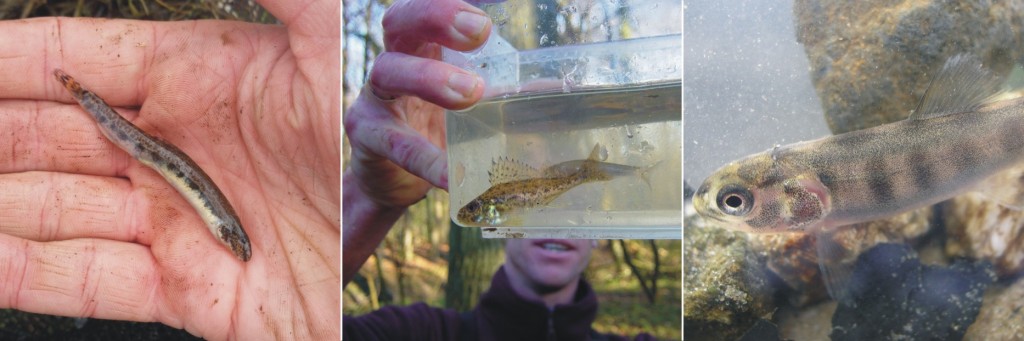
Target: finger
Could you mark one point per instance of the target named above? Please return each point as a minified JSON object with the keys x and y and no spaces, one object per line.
{"x":42,"y":206}
{"x":310,"y":17}
{"x":107,"y":52}
{"x":44,"y":136}
{"x":314,"y":27}
{"x":386,"y":135}
{"x":396,"y":74}
{"x":47,"y":206}
{"x":117,"y":58}
{"x":411,"y":25}
{"x":81,"y":277}
{"x":114,"y":280}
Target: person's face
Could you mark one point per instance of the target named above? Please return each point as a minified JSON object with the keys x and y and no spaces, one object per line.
{"x":547,"y":265}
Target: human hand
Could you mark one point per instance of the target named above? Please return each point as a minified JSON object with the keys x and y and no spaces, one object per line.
{"x":85,"y":230}
{"x":396,"y":126}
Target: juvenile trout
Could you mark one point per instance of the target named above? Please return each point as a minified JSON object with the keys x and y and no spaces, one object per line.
{"x":177,"y":168}
{"x":955,"y":139}
{"x":516,"y":186}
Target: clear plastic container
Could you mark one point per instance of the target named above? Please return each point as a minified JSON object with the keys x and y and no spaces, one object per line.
{"x":549,"y":108}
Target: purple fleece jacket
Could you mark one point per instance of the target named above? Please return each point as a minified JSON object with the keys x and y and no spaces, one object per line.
{"x":501,"y":315}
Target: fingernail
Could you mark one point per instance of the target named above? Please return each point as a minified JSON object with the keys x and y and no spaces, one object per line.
{"x":462,"y":83}
{"x":470,"y":24}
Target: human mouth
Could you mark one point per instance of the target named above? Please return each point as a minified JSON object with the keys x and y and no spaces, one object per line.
{"x":554,"y":247}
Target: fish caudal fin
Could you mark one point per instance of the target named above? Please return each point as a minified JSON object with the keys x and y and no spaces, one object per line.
{"x":643,"y":172}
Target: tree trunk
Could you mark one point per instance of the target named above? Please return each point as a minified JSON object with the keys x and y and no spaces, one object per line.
{"x":471,"y":264}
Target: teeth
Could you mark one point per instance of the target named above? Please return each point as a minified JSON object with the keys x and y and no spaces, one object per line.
{"x":554,"y":247}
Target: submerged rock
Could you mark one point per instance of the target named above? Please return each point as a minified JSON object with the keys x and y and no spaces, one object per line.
{"x":894,"y":297}
{"x":871,"y":61}
{"x":726,"y":290}
{"x":980,"y":226}
{"x":763,"y":330}
{"x":1001,"y":315}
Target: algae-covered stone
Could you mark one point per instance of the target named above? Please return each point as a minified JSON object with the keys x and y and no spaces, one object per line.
{"x":725,"y":290}
{"x":871,"y":61}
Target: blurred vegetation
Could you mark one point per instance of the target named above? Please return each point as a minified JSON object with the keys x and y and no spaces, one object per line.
{"x":412,"y":263}
{"x":166,"y":10}
{"x":18,"y":325}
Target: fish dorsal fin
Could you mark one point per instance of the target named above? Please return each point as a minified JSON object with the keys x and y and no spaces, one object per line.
{"x":962,"y":85}
{"x":506,"y":169}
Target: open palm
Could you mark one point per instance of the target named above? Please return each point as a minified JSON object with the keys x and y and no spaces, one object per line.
{"x":85,"y":230}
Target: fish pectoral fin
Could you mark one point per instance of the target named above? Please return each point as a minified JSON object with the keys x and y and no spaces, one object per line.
{"x":514,"y":220}
{"x":511,"y":220}
{"x":962,"y":85}
{"x":836,"y":269}
{"x":506,"y":169}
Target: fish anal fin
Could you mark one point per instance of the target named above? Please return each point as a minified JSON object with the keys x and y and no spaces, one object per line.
{"x":962,"y":85}
{"x":505,"y":169}
{"x":1005,"y":188}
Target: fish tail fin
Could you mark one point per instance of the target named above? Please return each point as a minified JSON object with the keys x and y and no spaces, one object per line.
{"x":644,"y":172}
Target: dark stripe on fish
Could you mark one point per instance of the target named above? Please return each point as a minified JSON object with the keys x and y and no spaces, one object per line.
{"x":878,"y":177}
{"x":921,"y":170}
{"x":827,"y":178}
{"x":1010,"y":140}
{"x":965,"y":157}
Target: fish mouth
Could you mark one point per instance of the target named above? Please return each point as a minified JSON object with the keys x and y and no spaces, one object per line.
{"x":700,"y":205}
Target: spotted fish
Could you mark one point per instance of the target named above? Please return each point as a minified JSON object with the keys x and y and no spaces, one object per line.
{"x":177,"y":168}
{"x":517,"y":186}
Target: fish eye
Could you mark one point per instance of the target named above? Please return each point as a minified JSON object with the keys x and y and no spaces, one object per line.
{"x":735,"y":200}
{"x":472,"y":206}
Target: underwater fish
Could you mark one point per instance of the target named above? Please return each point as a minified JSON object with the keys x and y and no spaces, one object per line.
{"x":517,"y":186}
{"x":953,"y":141}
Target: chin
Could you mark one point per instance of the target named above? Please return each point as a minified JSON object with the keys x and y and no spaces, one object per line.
{"x":554,"y":278}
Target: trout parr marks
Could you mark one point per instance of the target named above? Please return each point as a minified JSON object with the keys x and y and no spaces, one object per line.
{"x":170,"y":162}
{"x":957,"y":138}
{"x":516,"y":186}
